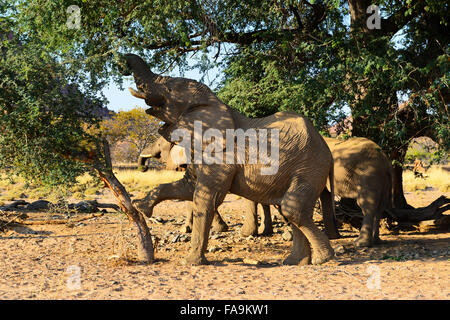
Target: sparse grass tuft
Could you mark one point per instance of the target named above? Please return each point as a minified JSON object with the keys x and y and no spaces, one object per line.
{"x":86,"y":188}
{"x":135,"y":180}
{"x":434,"y":177}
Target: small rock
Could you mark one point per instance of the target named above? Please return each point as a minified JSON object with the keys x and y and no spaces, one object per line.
{"x":17,"y":203}
{"x":185,"y":229}
{"x":214,"y":249}
{"x":158,"y":220}
{"x":184,"y":238}
{"x":339,"y":249}
{"x":114,"y":256}
{"x":240,"y":291}
{"x":86,"y":207}
{"x":176,"y":238}
{"x":287,"y":235}
{"x":251,"y":261}
{"x":39,"y":205}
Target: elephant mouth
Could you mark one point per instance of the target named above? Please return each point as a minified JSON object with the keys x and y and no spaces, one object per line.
{"x":137,"y":93}
{"x":154,"y":104}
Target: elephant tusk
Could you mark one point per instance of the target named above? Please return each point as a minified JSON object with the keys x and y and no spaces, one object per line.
{"x":137,"y":94}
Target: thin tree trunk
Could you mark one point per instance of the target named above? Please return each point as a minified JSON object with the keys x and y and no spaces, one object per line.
{"x":398,"y":195}
{"x":144,"y":241}
{"x":101,"y":162}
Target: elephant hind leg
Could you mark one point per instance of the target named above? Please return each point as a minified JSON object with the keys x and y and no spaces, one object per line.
{"x":297,"y":206}
{"x":301,"y":252}
{"x":265,"y":228}
{"x":369,"y":232}
{"x":218,"y":225}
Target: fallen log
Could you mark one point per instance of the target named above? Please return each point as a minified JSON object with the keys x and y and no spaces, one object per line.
{"x":347,"y":211}
{"x":431,"y":212}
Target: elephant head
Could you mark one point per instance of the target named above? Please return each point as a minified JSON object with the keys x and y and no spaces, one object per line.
{"x":177,"y":101}
{"x":160,"y":149}
{"x":173,"y":156}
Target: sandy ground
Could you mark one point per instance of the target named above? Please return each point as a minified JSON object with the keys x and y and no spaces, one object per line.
{"x":93,"y":259}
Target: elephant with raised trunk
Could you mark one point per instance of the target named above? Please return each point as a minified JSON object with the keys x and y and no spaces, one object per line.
{"x":293,"y":181}
{"x":174,"y":158}
{"x":361,"y":172}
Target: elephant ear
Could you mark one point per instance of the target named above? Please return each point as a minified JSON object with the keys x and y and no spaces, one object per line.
{"x":218,"y":118}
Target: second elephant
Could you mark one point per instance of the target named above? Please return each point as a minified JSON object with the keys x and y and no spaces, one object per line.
{"x":173,"y":157}
{"x":361,"y":172}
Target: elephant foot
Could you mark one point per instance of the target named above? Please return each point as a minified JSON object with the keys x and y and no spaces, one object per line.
{"x":294,"y":260}
{"x":143,"y":207}
{"x":219,"y":227}
{"x":265,"y":230}
{"x":363,"y":242}
{"x":249,"y":230}
{"x":195,"y":260}
{"x":321,"y":256}
{"x":186,"y":229}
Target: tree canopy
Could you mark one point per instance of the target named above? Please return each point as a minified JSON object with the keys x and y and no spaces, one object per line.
{"x":326,"y":59}
{"x":134,"y":127}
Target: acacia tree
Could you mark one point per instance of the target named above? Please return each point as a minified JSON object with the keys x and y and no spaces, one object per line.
{"x":48,"y":131}
{"x":315,"y":57}
{"x":134,"y":127}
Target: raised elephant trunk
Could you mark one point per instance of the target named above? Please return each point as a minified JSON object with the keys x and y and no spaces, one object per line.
{"x":139,"y":67}
{"x":169,"y":97}
{"x":147,"y":83}
{"x":141,"y":163}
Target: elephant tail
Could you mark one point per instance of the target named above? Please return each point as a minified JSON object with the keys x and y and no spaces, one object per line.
{"x":387,"y":199}
{"x":331,"y":178}
{"x":328,"y":208}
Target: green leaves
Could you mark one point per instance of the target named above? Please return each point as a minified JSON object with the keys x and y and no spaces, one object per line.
{"x":44,"y":116}
{"x":269,"y":63}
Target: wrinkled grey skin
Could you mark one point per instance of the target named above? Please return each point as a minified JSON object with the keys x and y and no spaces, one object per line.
{"x":161,"y":149}
{"x":361,"y":172}
{"x":305,"y":163}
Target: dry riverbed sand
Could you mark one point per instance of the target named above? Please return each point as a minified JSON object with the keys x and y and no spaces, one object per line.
{"x":94,"y":259}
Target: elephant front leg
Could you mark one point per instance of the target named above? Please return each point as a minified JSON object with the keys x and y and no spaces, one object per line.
{"x":250,"y":227}
{"x":212,"y":186}
{"x":187,"y":227}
